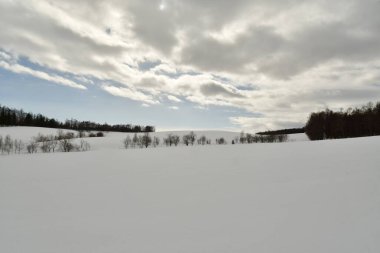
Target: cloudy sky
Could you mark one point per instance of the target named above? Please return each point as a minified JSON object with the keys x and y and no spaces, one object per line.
{"x":201,"y":64}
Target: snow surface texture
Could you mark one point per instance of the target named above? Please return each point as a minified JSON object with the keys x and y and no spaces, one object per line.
{"x":291,"y":197}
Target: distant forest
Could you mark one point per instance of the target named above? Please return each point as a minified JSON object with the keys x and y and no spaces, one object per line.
{"x":357,"y":122}
{"x":284,"y":131}
{"x":14,"y":117}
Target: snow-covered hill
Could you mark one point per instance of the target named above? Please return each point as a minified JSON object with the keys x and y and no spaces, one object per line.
{"x":113,"y":140}
{"x":289,"y":197}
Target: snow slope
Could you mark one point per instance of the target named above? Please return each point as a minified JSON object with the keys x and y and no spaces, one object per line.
{"x":113,"y":140}
{"x":291,"y":197}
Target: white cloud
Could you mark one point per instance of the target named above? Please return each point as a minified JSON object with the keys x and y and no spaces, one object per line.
{"x":16,"y":68}
{"x":131,"y":94}
{"x":174,"y":108}
{"x":174,"y":98}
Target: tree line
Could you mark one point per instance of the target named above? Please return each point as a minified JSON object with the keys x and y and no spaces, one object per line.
{"x":191,"y":139}
{"x":284,"y":131}
{"x":15,"y":117}
{"x":353,"y":122}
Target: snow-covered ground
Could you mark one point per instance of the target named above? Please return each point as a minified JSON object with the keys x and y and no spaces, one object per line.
{"x":291,"y":197}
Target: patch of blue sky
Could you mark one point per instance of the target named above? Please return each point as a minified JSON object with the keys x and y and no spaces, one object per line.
{"x":82,"y":79}
{"x":148,"y":65}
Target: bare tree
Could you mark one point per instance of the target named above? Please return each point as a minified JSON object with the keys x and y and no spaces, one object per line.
{"x":127,"y":142}
{"x":1,"y":144}
{"x":18,"y":146}
{"x":192,"y":137}
{"x":146,"y":140}
{"x":249,"y":138}
{"x":242,"y":138}
{"x":156,"y":141}
{"x":32,"y":147}
{"x":66,"y":145}
{"x":81,"y":134}
{"x":186,"y":139}
{"x":141,"y":142}
{"x":53,"y":144}
{"x":175,"y":139}
{"x":60,"y":134}
{"x":8,"y":144}
{"x":202,"y":140}
{"x":167,"y":140}
{"x":189,"y":138}
{"x":172,"y":140}
{"x":84,"y":145}
{"x":45,"y":144}
{"x":135,"y":140}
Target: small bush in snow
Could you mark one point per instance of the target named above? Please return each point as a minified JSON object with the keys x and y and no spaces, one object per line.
{"x":220,"y":141}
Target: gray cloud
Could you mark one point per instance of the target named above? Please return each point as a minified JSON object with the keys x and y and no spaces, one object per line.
{"x":318,"y":45}
{"x":213,"y":89}
{"x":153,"y":27}
{"x":356,"y":96}
{"x":44,"y":40}
{"x":209,"y":54}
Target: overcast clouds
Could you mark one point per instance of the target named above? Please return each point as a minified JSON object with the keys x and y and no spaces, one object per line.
{"x":278,"y":60}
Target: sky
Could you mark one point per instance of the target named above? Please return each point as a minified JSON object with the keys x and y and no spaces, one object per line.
{"x":248,"y":65}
